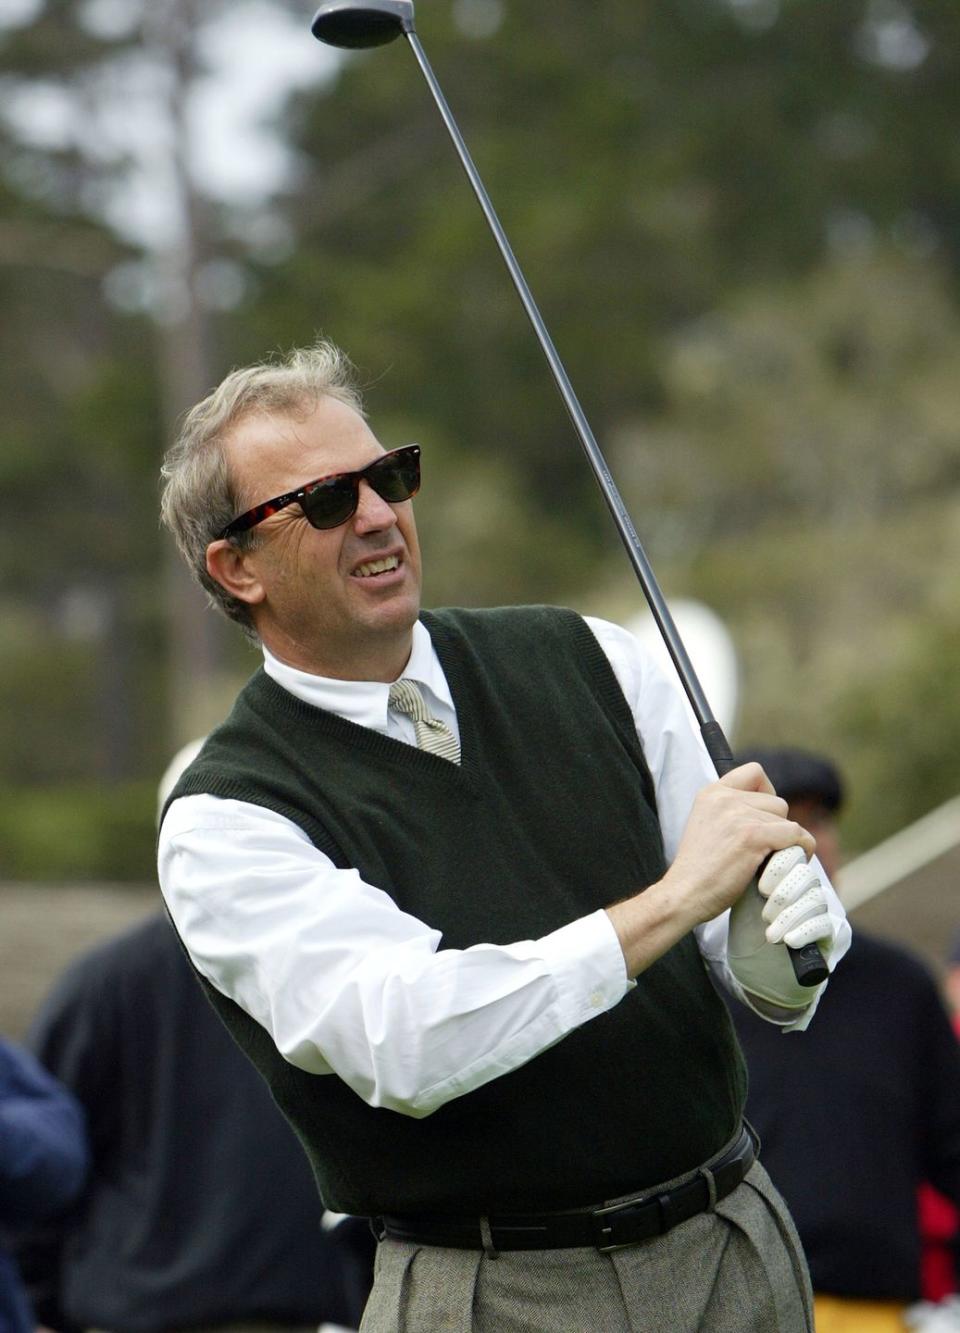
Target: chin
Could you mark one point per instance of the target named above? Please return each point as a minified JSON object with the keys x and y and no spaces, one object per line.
{"x":403,"y":616}
{"x":393,"y":614}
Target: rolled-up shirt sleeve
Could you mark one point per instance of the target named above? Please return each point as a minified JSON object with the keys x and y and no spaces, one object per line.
{"x":346,"y":982}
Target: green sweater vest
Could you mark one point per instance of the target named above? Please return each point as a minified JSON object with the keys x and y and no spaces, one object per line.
{"x":550,"y":816}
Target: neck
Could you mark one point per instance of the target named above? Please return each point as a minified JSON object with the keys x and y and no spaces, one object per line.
{"x":383,"y":661}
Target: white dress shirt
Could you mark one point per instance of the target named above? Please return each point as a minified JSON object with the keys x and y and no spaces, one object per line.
{"x":346,"y":982}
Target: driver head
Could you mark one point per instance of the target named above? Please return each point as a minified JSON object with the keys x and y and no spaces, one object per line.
{"x":356,"y":25}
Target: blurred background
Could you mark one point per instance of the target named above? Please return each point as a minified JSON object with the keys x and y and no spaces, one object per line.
{"x":741,"y":220}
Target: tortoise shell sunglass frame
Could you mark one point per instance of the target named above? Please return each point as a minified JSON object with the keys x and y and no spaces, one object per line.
{"x":330,"y":501}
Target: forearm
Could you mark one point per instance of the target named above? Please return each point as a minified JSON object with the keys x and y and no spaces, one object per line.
{"x":650,"y":923}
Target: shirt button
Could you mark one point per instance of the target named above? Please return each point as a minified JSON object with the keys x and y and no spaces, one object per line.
{"x":596,"y":999}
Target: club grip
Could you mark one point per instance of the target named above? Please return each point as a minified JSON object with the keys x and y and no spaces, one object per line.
{"x":809,"y":965}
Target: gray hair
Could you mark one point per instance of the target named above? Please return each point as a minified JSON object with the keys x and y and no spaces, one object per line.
{"x":198,"y":496}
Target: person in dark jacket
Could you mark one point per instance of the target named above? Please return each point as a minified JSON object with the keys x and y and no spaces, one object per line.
{"x":43,"y":1164}
{"x":201,"y":1210}
{"x":871,"y":1093}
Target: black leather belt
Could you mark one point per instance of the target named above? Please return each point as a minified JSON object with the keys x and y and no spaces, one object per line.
{"x":607,"y":1227}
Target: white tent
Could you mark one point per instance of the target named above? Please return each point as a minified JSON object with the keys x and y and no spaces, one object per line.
{"x":710,"y":648}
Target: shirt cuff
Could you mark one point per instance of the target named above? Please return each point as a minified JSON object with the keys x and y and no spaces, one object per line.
{"x":588,"y":975}
{"x":587,"y":961}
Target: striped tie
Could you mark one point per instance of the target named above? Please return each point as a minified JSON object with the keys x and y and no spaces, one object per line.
{"x":432,"y":734}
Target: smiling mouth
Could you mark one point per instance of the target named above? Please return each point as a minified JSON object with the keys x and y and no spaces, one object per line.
{"x":374,"y":567}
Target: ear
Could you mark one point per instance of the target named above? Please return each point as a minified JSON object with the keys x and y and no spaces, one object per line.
{"x":231,"y":568}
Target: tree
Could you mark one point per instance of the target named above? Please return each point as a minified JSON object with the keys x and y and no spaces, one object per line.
{"x":739,"y":218}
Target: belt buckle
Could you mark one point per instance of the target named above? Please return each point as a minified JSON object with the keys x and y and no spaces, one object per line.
{"x":637,"y":1202}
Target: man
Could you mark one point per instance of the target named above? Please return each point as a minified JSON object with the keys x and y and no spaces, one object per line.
{"x":199,"y":1211}
{"x":43,"y":1164}
{"x":409,"y":869}
{"x":871,"y":1093}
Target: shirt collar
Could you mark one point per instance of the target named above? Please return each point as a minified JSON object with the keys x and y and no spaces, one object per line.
{"x":363,"y":701}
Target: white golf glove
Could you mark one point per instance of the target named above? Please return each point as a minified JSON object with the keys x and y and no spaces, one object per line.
{"x":790,"y":908}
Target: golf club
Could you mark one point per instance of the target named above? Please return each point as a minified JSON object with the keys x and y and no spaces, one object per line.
{"x":355,"y":25}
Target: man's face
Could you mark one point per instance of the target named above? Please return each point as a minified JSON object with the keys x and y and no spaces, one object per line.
{"x":319,"y":606}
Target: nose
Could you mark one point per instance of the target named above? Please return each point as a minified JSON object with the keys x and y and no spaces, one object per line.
{"x":373,"y":512}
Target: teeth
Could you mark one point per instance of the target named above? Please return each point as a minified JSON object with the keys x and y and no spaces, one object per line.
{"x":378,"y":566}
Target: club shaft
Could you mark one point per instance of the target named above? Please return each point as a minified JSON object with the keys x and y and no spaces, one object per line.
{"x":808,"y":964}
{"x":608,"y":487}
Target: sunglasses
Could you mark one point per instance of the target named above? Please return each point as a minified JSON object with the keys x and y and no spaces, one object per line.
{"x":330,"y":501}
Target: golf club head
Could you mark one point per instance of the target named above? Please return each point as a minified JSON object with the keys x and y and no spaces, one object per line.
{"x":356,"y":25}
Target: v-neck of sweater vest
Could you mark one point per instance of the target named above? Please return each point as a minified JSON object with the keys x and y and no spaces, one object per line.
{"x":381,"y":746}
{"x":447,"y":639}
{"x":451,"y":632}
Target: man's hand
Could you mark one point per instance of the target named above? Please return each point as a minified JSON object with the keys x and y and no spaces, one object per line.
{"x":734,"y":825}
{"x":796,"y":907}
{"x":788,"y":908}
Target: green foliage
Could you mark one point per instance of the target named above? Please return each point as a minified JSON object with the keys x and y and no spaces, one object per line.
{"x":849,"y":638}
{"x":79,"y":441}
{"x":741,"y":222}
{"x":832,"y":396}
{"x":905,"y":744}
{"x":78,"y":832}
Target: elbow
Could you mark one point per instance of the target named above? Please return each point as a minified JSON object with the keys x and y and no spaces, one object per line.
{"x":397,"y":1051}
{"x":416,"y":1106}
{"x":380,"y":1083}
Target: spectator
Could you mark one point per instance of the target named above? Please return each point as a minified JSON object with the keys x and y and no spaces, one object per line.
{"x":939,"y":1219}
{"x":43,"y":1163}
{"x":201,"y":1210}
{"x":871,"y":1093}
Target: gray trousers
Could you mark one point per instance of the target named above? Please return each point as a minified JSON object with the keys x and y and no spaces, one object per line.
{"x":739,"y":1269}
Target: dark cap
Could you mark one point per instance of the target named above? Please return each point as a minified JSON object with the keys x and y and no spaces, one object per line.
{"x":796,"y":774}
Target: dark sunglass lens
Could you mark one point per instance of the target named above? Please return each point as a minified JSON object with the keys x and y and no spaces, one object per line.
{"x":396,"y":478}
{"x":331,"y":503}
